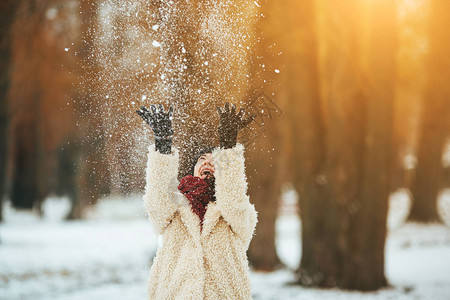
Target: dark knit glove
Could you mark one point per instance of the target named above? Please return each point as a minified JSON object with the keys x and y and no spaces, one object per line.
{"x":230,"y":124}
{"x":161,"y":124}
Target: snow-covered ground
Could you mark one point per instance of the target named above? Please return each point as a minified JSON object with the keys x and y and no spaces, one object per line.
{"x":108,"y":256}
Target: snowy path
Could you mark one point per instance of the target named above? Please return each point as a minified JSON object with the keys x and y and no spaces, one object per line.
{"x":110,"y":259}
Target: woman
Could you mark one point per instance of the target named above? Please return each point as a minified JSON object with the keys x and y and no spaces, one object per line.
{"x":206,"y":221}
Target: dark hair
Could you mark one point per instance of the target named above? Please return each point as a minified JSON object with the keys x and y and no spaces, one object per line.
{"x":208,"y":149}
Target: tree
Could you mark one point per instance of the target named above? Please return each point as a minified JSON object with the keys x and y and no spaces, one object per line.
{"x":264,"y":171}
{"x":364,"y":267}
{"x":429,"y":173}
{"x":7,"y":14}
{"x":91,"y":172}
{"x":411,"y":79}
{"x":345,"y":185}
{"x":41,"y":116}
{"x":265,"y":161}
{"x":306,"y":115}
{"x":27,"y":183}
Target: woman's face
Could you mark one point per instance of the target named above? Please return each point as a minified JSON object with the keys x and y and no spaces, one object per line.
{"x":204,"y":167}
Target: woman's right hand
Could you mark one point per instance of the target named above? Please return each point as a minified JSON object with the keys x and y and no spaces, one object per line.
{"x":161,"y":124}
{"x":159,"y":121}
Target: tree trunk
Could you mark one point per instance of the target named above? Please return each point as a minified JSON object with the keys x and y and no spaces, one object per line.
{"x":264,"y":178}
{"x":27,"y":182}
{"x":27,"y":186}
{"x":7,"y":14}
{"x":435,"y":115}
{"x":344,"y":165}
{"x":266,"y":152}
{"x":308,"y":138}
{"x":364,"y":263}
{"x":92,"y":174}
{"x":66,"y":177}
{"x":332,"y":175}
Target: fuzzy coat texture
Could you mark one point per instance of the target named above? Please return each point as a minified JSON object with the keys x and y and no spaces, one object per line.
{"x":192,"y":263}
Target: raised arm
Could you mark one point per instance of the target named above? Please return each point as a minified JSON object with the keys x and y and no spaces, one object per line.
{"x":231,"y":181}
{"x":161,"y":197}
{"x":231,"y":192}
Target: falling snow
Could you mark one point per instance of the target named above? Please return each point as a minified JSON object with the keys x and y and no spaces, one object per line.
{"x":195,"y":57}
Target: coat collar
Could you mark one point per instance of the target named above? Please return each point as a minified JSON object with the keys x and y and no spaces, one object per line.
{"x":192,"y":221}
{"x":212,"y":216}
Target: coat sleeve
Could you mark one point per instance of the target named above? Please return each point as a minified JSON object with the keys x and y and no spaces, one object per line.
{"x":231,"y":192}
{"x":161,"y":198}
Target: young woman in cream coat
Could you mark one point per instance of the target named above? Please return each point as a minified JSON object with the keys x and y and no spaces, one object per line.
{"x":205,"y":234}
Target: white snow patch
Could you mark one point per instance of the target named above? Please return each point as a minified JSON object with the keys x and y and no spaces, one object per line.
{"x":444,"y":206}
{"x":399,"y":207}
{"x":114,"y":208}
{"x":109,"y":255}
{"x":51,"y":13}
{"x":409,"y":161}
{"x":156,"y":44}
{"x":288,"y":240}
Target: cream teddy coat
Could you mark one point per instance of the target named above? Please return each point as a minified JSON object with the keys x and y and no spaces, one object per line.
{"x":195,"y":264}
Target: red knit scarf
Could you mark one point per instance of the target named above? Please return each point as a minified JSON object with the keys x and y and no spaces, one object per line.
{"x":199,"y":193}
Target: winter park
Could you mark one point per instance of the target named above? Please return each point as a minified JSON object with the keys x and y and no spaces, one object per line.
{"x":225,"y":149}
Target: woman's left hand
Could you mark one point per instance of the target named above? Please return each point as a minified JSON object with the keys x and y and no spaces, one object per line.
{"x":230,"y":124}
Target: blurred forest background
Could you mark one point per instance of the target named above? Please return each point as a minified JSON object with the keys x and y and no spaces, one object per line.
{"x":352,"y":97}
